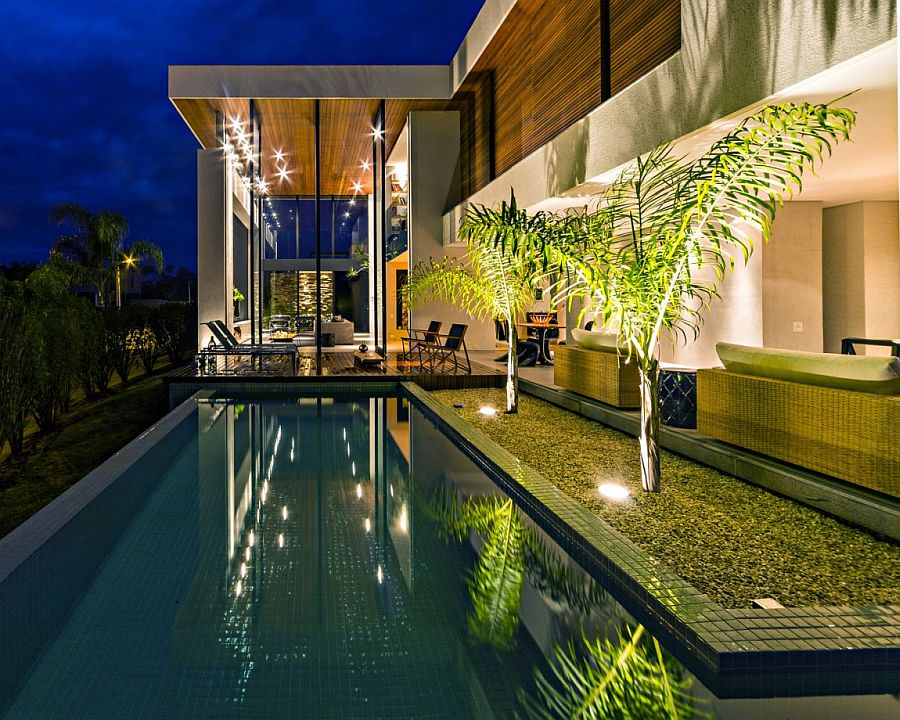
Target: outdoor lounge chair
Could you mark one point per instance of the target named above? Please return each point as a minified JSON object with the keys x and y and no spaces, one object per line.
{"x":409,"y":345}
{"x":230,"y":345}
{"x":435,"y":355}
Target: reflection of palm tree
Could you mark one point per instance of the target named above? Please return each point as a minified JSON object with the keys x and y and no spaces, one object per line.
{"x":630,"y":678}
{"x":510,"y":552}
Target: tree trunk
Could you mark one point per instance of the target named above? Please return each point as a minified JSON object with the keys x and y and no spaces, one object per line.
{"x":512,"y":368}
{"x":650,"y":426}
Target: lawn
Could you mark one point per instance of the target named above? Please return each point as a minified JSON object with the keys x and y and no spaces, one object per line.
{"x":92,"y":432}
{"x":730,"y":539}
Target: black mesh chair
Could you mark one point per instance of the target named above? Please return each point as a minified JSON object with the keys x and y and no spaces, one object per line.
{"x":409,"y":345}
{"x":437,"y":355}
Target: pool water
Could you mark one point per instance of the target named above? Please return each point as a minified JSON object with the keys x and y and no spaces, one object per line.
{"x":325,"y":558}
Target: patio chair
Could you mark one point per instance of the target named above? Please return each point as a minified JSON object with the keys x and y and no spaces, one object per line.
{"x":434,"y":355}
{"x":230,"y":345}
{"x":410,"y":344}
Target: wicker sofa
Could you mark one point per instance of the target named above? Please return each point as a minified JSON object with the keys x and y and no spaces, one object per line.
{"x":598,"y":374}
{"x":850,"y":434}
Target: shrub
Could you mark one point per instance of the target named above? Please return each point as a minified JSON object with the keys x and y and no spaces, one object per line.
{"x":143,"y":339}
{"x":118,"y":326}
{"x":174,"y":326}
{"x":16,"y":376}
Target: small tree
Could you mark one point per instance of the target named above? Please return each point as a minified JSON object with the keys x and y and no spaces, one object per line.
{"x":492,"y":283}
{"x":651,"y":252}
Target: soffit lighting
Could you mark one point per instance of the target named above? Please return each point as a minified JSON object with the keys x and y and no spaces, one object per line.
{"x":365,"y":165}
{"x":377,"y":133}
{"x":357,"y":187}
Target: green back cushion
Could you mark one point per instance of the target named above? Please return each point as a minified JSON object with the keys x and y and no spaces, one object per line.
{"x":590,"y":340}
{"x":848,"y":372}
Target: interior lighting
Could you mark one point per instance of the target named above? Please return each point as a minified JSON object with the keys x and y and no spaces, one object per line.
{"x":404,"y":519}
{"x":379,"y":573}
{"x":243,"y":570}
{"x":487,"y":410}
{"x":238,"y":588}
{"x":347,"y":214}
{"x":279,"y":155}
{"x":368,"y":525}
{"x":283,"y":174}
{"x":247,"y":554}
{"x":251,"y":541}
{"x":353,"y":468}
{"x":359,"y":491}
{"x":365,"y":165}
{"x":281,"y":540}
{"x":614,"y":491}
{"x":377,"y":133}
{"x":357,"y":187}
{"x":284,"y":512}
{"x":353,"y":201}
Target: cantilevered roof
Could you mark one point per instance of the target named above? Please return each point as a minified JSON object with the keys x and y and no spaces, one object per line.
{"x":284,"y":96}
{"x":285,"y":100}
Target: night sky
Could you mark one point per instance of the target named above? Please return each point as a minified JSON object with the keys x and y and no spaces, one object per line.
{"x":86,"y":111}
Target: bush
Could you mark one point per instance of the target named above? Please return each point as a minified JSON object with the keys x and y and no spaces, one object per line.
{"x":118,"y":325}
{"x":16,"y":376}
{"x":94,"y":361}
{"x":143,"y":339}
{"x":175,"y":326}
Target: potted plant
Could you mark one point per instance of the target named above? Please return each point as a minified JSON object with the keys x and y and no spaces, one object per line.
{"x":237,"y":298}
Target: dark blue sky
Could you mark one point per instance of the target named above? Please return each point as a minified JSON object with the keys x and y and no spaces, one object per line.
{"x":85,"y":107}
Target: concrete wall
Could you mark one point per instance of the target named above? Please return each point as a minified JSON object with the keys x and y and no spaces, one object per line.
{"x":861,"y":273}
{"x":214,"y":242}
{"x":433,"y":178}
{"x":792,"y":279}
{"x":759,"y":302}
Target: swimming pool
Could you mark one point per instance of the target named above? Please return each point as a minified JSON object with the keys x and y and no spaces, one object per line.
{"x":315,"y":557}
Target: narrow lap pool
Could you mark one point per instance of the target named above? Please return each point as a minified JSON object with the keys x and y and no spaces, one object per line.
{"x":321,"y":557}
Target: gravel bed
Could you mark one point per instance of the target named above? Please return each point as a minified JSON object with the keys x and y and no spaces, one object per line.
{"x":730,"y":539}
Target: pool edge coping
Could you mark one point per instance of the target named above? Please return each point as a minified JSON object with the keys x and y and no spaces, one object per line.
{"x":725,"y":639}
{"x":27,"y":538}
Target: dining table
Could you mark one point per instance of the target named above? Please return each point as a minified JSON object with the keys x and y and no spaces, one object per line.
{"x":543,"y":341}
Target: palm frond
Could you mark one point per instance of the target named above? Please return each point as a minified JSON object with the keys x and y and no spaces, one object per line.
{"x":498,"y":578}
{"x":629,"y":678}
{"x":145,"y":250}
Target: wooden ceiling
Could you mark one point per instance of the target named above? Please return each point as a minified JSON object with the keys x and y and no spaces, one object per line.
{"x":288,"y":126}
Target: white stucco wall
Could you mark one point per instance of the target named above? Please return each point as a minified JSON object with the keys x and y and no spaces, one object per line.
{"x":214,"y":242}
{"x":861,"y":266}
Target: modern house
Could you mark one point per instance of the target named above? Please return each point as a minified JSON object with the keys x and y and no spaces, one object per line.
{"x":549,"y":99}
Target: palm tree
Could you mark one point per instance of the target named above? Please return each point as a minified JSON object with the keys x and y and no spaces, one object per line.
{"x":491,"y":283}
{"x":650,"y":253}
{"x":94,"y":253}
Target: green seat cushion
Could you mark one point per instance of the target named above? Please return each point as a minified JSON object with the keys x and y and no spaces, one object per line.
{"x":590,"y":340}
{"x":847,"y":372}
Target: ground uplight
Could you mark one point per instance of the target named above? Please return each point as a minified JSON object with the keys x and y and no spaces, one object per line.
{"x":614,"y":491}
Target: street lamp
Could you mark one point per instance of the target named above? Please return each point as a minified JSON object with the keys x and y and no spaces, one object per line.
{"x":128,"y":260}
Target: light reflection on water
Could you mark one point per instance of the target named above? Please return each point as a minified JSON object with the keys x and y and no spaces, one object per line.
{"x":371,"y":571}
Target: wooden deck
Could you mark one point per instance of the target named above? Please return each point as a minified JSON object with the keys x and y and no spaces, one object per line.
{"x":340,"y":366}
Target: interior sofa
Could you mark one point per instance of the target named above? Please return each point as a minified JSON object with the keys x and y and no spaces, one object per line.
{"x":341,"y":329}
{"x":835,"y":414}
{"x":592,"y":367}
